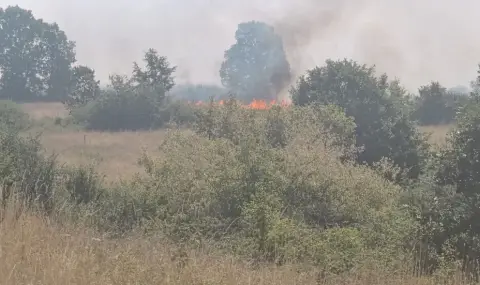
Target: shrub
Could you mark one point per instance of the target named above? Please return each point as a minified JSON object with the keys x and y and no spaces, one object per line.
{"x":436,"y":106}
{"x":383,"y":126}
{"x":181,"y":113}
{"x":451,"y":213}
{"x":279,"y":202}
{"x":83,"y":87}
{"x":124,"y":110}
{"x":278,"y":126}
{"x":83,"y":184}
{"x":12,"y":116}
{"x":24,"y":171}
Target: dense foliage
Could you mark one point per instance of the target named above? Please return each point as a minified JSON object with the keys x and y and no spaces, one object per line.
{"x":383,"y":125}
{"x":35,"y":57}
{"x":435,"y":105}
{"x":256,"y":65}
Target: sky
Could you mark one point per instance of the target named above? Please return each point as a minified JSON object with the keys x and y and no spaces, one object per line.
{"x":414,"y":40}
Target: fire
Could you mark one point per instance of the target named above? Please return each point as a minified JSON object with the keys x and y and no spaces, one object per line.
{"x":255,"y":104}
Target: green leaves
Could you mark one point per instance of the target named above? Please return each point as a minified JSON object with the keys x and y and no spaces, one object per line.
{"x":437,"y":106}
{"x":35,"y":57}
{"x":130,"y":103}
{"x":83,"y":87}
{"x":157,"y":76}
{"x":383,"y":125}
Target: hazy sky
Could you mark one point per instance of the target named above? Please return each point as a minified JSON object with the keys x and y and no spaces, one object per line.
{"x":416,"y":40}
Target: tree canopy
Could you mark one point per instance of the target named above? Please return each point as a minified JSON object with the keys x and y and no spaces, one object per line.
{"x":157,"y":75}
{"x":256,"y":65}
{"x":383,"y":127}
{"x":35,"y":57}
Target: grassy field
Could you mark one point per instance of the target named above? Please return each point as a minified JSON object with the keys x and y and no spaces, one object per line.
{"x":45,"y":110}
{"x":33,"y":251}
{"x":115,"y":154}
{"x":438,"y":134}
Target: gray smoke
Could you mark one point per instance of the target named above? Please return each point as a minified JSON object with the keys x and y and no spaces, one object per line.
{"x":417,"y":41}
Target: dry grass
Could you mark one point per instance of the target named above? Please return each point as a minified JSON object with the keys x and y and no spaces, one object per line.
{"x":438,"y":133}
{"x":45,"y":110}
{"x":33,"y":251}
{"x":115,"y":154}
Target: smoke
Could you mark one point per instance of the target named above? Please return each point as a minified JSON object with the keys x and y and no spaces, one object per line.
{"x":416,"y":41}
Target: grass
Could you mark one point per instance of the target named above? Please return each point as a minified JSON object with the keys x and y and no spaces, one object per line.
{"x":115,"y":154}
{"x":36,"y":251}
{"x":45,"y":110}
{"x":438,"y":133}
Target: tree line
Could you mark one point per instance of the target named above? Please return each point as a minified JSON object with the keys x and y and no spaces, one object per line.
{"x":37,"y":63}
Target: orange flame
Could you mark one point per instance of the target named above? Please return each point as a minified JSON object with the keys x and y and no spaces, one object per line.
{"x":255,"y":104}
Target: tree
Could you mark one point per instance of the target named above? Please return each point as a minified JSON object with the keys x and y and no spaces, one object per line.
{"x":59,"y":55}
{"x":435,"y":105}
{"x":120,"y":83}
{"x":256,"y":65}
{"x":384,"y":128}
{"x":454,"y":214}
{"x":157,"y":76}
{"x":35,"y":57}
{"x":83,"y":87}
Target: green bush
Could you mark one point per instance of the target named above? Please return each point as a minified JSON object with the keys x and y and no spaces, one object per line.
{"x":132,"y":110}
{"x":124,"y":110}
{"x":436,"y":105}
{"x":11,"y":115}
{"x":279,"y":202}
{"x":24,"y":171}
{"x":83,"y":184}
{"x":383,"y":125}
{"x":181,"y":113}
{"x":451,"y":207}
{"x":278,"y":126}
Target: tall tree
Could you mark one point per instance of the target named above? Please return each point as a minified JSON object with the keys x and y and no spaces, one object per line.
{"x":58,"y":57}
{"x":434,"y":105}
{"x":35,"y":57}
{"x":383,"y":124}
{"x":83,"y":87}
{"x":157,"y":76}
{"x":256,"y":65}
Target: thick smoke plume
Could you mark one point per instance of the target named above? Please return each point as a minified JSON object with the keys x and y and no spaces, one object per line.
{"x":417,"y":41}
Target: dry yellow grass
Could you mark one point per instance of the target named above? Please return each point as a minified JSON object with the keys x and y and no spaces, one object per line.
{"x":33,"y":251}
{"x":45,"y":110}
{"x":115,"y":154}
{"x":438,"y":133}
